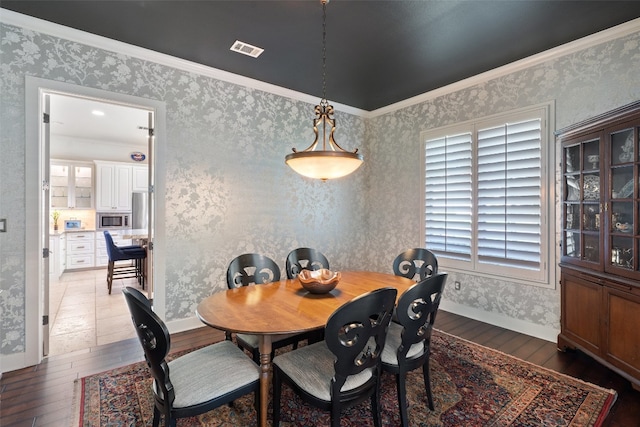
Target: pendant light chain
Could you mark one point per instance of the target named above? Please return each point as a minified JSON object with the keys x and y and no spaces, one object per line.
{"x":324,"y":50}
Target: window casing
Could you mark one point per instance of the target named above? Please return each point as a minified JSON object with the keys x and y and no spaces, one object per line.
{"x":486,"y":195}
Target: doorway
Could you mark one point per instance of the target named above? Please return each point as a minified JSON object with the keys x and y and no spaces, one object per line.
{"x":38,"y":219}
{"x":88,"y":135}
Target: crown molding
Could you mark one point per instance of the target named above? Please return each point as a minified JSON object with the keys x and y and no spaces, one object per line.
{"x":603,"y":36}
{"x":56,"y":30}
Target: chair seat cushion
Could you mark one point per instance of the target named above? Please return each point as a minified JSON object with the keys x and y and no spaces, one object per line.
{"x":196,"y":376}
{"x":311,"y":368}
{"x":253,"y":340}
{"x":394,"y":339}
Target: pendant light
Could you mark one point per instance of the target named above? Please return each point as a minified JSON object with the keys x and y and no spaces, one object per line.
{"x":329,"y":160}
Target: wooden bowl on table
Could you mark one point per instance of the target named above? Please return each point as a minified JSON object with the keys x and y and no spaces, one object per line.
{"x":319,"y":281}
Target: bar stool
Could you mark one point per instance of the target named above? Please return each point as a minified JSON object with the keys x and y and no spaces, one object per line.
{"x":135,"y":253}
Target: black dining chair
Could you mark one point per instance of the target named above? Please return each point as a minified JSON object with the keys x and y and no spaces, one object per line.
{"x":409,"y":337}
{"x":345,"y":368}
{"x":135,"y":253}
{"x":415,"y":264}
{"x":255,"y":269}
{"x":196,"y":382}
{"x":305,"y":259}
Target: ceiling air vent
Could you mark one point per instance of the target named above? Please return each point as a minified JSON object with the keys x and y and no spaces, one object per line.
{"x":246,"y":49}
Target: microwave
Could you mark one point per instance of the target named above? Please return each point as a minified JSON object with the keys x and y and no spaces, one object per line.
{"x":107,"y":221}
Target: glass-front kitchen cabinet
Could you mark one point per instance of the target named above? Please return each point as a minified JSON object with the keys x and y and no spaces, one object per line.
{"x":600,"y":239}
{"x":71,"y":185}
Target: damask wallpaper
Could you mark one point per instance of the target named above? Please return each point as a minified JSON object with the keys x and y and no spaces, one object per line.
{"x":229,"y":191}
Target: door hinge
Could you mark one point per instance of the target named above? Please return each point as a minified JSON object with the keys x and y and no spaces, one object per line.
{"x":45,"y":252}
{"x":151,"y":188}
{"x":151,"y":132}
{"x":45,"y":118}
{"x":150,"y":246}
{"x":45,"y":320}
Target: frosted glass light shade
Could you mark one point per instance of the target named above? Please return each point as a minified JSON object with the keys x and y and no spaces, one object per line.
{"x":324,"y":165}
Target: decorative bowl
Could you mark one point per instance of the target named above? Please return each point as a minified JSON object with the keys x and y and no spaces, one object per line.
{"x":319,"y":281}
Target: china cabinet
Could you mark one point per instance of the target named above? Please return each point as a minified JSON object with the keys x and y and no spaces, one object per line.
{"x":71,"y":185}
{"x":600,"y":266}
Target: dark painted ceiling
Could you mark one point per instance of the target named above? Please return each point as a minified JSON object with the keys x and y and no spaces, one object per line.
{"x":378,"y":52}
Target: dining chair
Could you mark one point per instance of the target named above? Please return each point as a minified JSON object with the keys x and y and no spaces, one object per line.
{"x":305,"y":259}
{"x":135,"y":253}
{"x":409,"y":337}
{"x":345,"y":368}
{"x":415,"y":264}
{"x":196,"y":382}
{"x":256,"y":269}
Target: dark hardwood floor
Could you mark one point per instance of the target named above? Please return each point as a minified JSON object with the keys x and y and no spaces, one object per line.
{"x":42,"y":395}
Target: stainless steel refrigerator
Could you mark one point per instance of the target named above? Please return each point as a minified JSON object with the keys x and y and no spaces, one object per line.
{"x":140,"y":210}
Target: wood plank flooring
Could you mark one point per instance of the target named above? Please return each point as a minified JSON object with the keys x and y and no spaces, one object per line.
{"x":42,"y":395}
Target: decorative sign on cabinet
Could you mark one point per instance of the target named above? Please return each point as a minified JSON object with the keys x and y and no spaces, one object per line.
{"x":600,"y":263}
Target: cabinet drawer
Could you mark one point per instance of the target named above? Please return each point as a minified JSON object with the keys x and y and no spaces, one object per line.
{"x":80,"y":261}
{"x":80,"y":247}
{"x":71,"y":237}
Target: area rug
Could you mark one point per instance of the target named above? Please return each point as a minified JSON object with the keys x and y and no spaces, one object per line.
{"x":472,"y":386}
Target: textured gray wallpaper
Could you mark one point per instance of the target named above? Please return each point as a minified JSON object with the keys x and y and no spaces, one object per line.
{"x":229,"y":191}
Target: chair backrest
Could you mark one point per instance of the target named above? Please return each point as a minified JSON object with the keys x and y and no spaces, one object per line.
{"x":305,"y":259}
{"x":111,"y":247}
{"x":416,"y":264}
{"x":356,"y":332}
{"x":252,"y":269}
{"x":416,"y":312}
{"x":155,"y":339}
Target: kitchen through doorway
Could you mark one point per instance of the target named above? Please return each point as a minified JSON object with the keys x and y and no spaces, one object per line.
{"x":89,"y":139}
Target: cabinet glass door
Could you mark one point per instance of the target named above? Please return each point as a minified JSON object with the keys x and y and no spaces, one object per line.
{"x":581,"y":201}
{"x":59,"y":186}
{"x":622,"y":201}
{"x":83,"y":186}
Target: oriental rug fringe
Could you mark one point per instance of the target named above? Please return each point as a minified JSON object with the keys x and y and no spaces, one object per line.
{"x":472,"y":386}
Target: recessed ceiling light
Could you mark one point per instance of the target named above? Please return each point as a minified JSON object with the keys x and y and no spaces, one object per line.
{"x":97,"y":113}
{"x":246,"y":49}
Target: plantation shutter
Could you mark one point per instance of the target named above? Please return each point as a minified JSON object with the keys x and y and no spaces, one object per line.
{"x":448,"y":195}
{"x":509,"y":195}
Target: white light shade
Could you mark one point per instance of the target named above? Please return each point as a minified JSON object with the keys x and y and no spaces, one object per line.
{"x":324,"y":164}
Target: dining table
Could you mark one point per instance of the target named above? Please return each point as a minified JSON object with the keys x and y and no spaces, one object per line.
{"x":285,"y":307}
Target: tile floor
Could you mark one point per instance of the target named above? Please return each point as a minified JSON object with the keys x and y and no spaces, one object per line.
{"x":83,"y":315}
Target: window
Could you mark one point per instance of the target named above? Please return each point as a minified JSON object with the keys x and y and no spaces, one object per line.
{"x":486,"y":198}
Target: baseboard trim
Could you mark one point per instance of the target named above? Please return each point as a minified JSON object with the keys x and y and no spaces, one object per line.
{"x":182,"y":325}
{"x":12,"y":362}
{"x":517,"y":325}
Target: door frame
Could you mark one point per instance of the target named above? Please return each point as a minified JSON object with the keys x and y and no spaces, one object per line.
{"x":35,"y":88}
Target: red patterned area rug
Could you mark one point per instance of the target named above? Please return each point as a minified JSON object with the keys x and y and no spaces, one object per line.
{"x":472,"y":386}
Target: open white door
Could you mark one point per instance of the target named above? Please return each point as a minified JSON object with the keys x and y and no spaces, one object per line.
{"x":150,"y":221}
{"x":46,"y":106}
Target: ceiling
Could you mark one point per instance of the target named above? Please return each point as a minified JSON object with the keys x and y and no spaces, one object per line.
{"x":377,"y":53}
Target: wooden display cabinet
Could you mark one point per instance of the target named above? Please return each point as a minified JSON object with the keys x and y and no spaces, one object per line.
{"x":600,"y":262}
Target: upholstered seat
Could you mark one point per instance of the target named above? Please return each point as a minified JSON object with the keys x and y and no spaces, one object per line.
{"x":345,"y":368}
{"x":408,"y":341}
{"x":196,"y":382}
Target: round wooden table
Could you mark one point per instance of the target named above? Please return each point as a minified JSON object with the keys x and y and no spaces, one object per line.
{"x":283,"y":308}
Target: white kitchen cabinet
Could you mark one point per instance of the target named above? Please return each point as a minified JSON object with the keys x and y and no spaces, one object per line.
{"x":102,"y":258}
{"x":140,"y":179}
{"x":57,"y":256}
{"x":113,"y":186}
{"x":80,"y":249}
{"x":71,"y":185}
